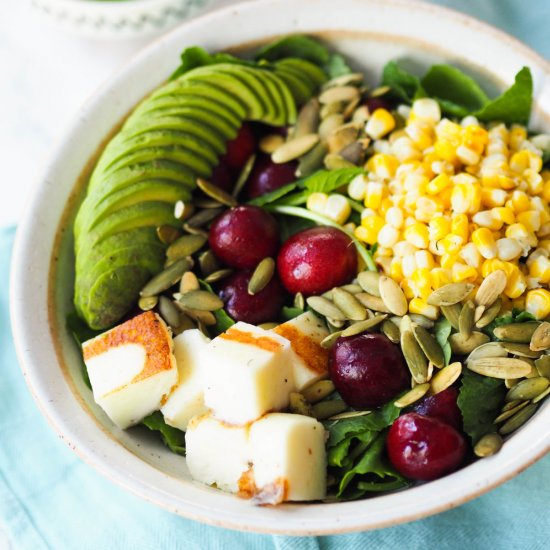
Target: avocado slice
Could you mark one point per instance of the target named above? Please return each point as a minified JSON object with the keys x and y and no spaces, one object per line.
{"x":300,"y":89}
{"x":286,"y":96}
{"x":307,"y":70}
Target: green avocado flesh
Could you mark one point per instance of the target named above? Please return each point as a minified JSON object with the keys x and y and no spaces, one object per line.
{"x":173,"y":137}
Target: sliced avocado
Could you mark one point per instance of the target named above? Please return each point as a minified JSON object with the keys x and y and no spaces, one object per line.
{"x":300,"y":90}
{"x":288,"y":99}
{"x":304,"y":68}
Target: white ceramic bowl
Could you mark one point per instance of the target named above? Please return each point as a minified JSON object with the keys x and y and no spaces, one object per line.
{"x":369,"y":32}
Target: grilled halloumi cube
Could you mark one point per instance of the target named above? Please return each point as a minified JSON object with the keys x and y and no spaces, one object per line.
{"x":248,"y":373}
{"x":187,"y":398}
{"x":309,"y":359}
{"x":216,"y":452}
{"x":131,"y":368}
{"x":288,"y":455}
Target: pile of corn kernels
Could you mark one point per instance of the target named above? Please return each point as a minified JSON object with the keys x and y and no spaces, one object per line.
{"x":448,"y":202}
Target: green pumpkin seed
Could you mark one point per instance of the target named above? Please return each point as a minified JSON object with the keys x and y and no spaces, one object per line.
{"x":490,"y":349}
{"x":391,"y":331}
{"x":203,"y":217}
{"x":393,"y":296}
{"x":335,"y":324}
{"x":169,"y":312}
{"x":511,"y":404}
{"x":488,"y":445}
{"x":218,"y":275}
{"x":352,"y":288}
{"x":166,"y":279}
{"x":414,"y":357}
{"x":330,"y":340}
{"x":185,"y":324}
{"x":466,"y":319}
{"x":527,"y":389}
{"x":268,"y":144}
{"x":541,"y":396}
{"x":369,"y":281}
{"x":299,"y":301}
{"x":452,"y":313}
{"x":354,"y":153}
{"x":506,"y":414}
{"x":330,"y":124}
{"x":479,"y":311}
{"x":333,"y":161}
{"x":520,"y":333}
{"x":450,"y":294}
{"x":308,"y":119}
{"x":363,"y":326}
{"x":372,"y":302}
{"x":318,"y":391}
{"x":148,"y":303}
{"x":167,"y":234}
{"x":349,"y":305}
{"x":208,"y":263}
{"x":341,"y":137}
{"x":380,"y":91}
{"x":491,"y":288}
{"x":421,"y":320}
{"x":201,"y":300}
{"x":243,"y":175}
{"x":325,"y":307}
{"x":521,"y":350}
{"x":518,"y":420}
{"x":463,"y":346}
{"x":185,"y":246}
{"x":183,"y":210}
{"x":510,"y":382}
{"x":207,"y":203}
{"x":294,"y":148}
{"x":344,"y":80}
{"x":216,"y":193}
{"x":500,"y":367}
{"x":189,"y":282}
{"x":429,"y":346}
{"x":490,"y":314}
{"x":200,"y":316}
{"x":312,"y":160}
{"x":540,"y":340}
{"x":412,"y":396}
{"x":349,"y":414}
{"x":268,"y":326}
{"x":542,"y":364}
{"x":195,"y":230}
{"x":349,"y":109}
{"x":342,"y":94}
{"x":360,"y":115}
{"x":326,"y":409}
{"x":262,"y":276}
{"x":446,"y":377}
{"x":299,"y":405}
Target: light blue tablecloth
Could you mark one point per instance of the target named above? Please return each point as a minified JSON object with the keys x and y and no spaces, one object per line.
{"x":50,"y":499}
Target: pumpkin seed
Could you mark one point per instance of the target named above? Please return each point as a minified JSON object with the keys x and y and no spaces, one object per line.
{"x":541,"y":337}
{"x":491,"y":288}
{"x":490,"y":349}
{"x":243,"y":175}
{"x":446,"y":377}
{"x":372,"y":302}
{"x":412,"y":396}
{"x":334,"y":108}
{"x":500,"y":367}
{"x":392,"y":296}
{"x":268,"y":326}
{"x":452,"y":313}
{"x":361,"y":115}
{"x":294,"y":148}
{"x":318,"y":391}
{"x":201,"y":300}
{"x":308,"y":119}
{"x":185,"y":246}
{"x":479,"y":311}
{"x":299,"y":405}
{"x":195,"y":230}
{"x":207,"y":203}
{"x":369,"y":282}
{"x":541,"y":396}
{"x":511,"y":404}
{"x":349,"y":109}
{"x":518,"y":420}
{"x":533,"y":372}
{"x":203,"y":217}
{"x":380,"y":91}
{"x":208,"y":263}
{"x":450,"y":294}
{"x":326,"y":409}
{"x":189,"y":282}
{"x":349,"y":305}
{"x":335,"y":324}
{"x":527,"y":389}
{"x":330,"y":340}
{"x":333,"y":161}
{"x":521,"y":350}
{"x":167,"y":234}
{"x":463,"y":346}
{"x":432,"y":350}
{"x":352,"y":288}
{"x":325,"y":307}
{"x":312,"y":160}
{"x":391,"y":331}
{"x":165,"y":279}
{"x":148,"y":303}
{"x":488,"y":445}
{"x":200,"y":316}
{"x":268,"y":144}
{"x":362,"y":326}
{"x":505,"y":415}
{"x":349,"y":414}
{"x":344,"y":80}
{"x":218,"y":275}
{"x":261,"y":276}
{"x":414,"y":357}
{"x":542,"y":365}
{"x":339,"y":93}
{"x":183,"y":210}
{"x":299,"y":301}
{"x":169,"y":312}
{"x":510,"y":382}
{"x":490,"y":314}
{"x":421,"y":320}
{"x":520,"y":333}
{"x":466,"y":319}
{"x":185,"y":324}
{"x":216,"y":193}
{"x":404,"y":323}
{"x":329,"y":124}
{"x":341,"y":137}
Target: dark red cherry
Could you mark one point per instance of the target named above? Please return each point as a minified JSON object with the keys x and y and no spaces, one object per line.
{"x":266,"y":176}
{"x":374,"y":103}
{"x":367,"y":370}
{"x":240,"y":148}
{"x":243,"y":236}
{"x":260,"y":308}
{"x":442,"y":406}
{"x":222,"y":177}
{"x":424,"y":448}
{"x":316,"y":260}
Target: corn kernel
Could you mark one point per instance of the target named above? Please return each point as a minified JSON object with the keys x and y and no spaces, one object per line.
{"x":395,"y":217}
{"x":450,"y":244}
{"x":517,"y":284}
{"x":337,"y":208}
{"x":358,"y":187}
{"x":486,"y":219}
{"x":534,"y":181}
{"x":466,"y":199}
{"x":467,"y":156}
{"x":439,"y":183}
{"x":395,"y":271}
{"x":407,"y":288}
{"x":445,"y":150}
{"x":494,"y":264}
{"x":520,"y":201}
{"x":404,"y":149}
{"x":380,"y":123}
{"x":530,"y":219}
{"x":446,"y":129}
{"x":485,"y":242}
{"x":471,"y":256}
{"x":421,"y":283}
{"x":537,"y":303}
{"x":374,"y":195}
{"x":504,"y":214}
{"x":440,"y":277}
{"x":508,"y":249}
{"x":417,"y":235}
{"x":426,"y":109}
{"x":426,"y":208}
{"x":421,"y":307}
{"x":459,"y":226}
{"x":424,"y":259}
{"x":448,"y":260}
{"x":540,"y":268}
{"x":475,"y":138}
{"x":462,"y":272}
{"x":404,"y":248}
{"x":388,"y":236}
{"x":516,"y":136}
{"x":382,"y":165}
{"x":421,"y":134}
{"x":316,"y":202}
{"x":523,"y":160}
{"x":491,"y":197}
{"x":408,"y":265}
{"x":439,"y":228}
{"x":369,"y":229}
{"x":546,"y":190}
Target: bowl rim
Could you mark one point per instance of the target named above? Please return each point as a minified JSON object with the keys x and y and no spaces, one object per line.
{"x":23,"y":242}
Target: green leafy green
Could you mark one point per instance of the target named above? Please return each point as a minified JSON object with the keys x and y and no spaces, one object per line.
{"x":442,"y":331}
{"x":173,"y":438}
{"x":223,"y":320}
{"x":274,"y":196}
{"x":290,"y":225}
{"x":288,"y":313}
{"x":479,"y":400}
{"x":337,"y":66}
{"x":514,"y":316}
{"x":327,"y":181}
{"x":403,"y":84}
{"x":295,"y":45}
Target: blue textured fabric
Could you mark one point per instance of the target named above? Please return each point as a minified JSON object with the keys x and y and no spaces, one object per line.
{"x":50,"y":499}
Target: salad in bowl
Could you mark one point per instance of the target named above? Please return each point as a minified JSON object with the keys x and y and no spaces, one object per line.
{"x":313,"y":289}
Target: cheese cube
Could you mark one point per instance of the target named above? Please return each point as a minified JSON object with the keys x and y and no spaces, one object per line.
{"x":216,"y":452}
{"x":131,"y":368}
{"x":187,"y":398}
{"x":289,"y":459}
{"x":309,"y":359}
{"x":247,"y":373}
